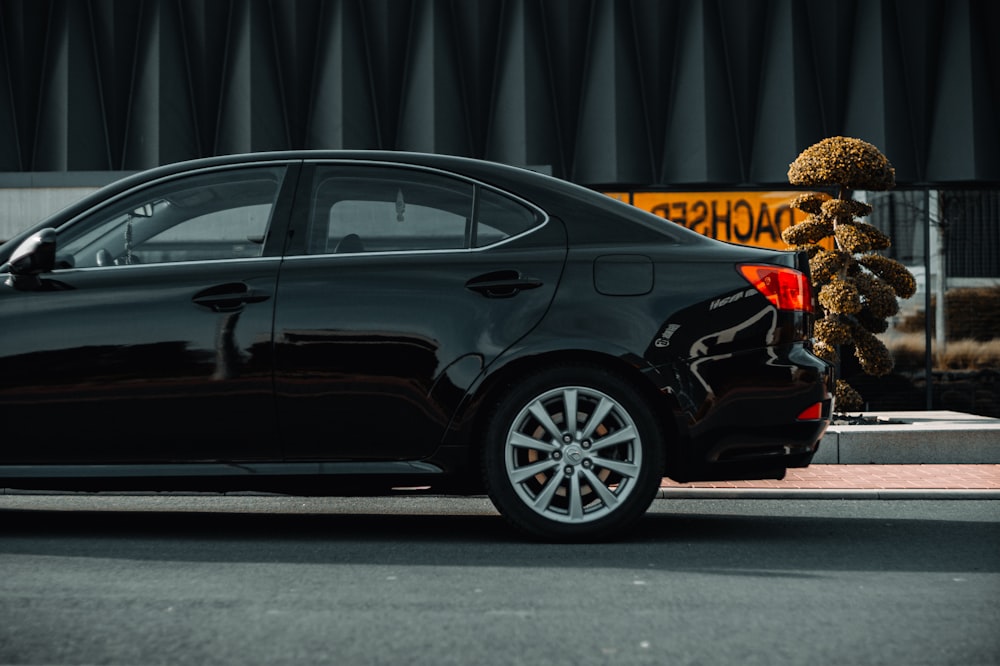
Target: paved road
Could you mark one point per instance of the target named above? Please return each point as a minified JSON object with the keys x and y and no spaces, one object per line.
{"x":250,"y":580}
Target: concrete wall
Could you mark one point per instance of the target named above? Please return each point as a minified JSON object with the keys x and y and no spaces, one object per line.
{"x":610,"y":93}
{"x":22,"y":207}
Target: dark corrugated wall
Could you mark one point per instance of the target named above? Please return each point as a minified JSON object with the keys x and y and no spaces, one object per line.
{"x":604,"y":92}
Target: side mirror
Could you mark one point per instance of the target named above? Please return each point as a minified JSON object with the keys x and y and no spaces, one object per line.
{"x":35,"y":255}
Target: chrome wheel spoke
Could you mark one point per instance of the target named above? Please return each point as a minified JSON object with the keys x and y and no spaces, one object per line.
{"x":570,"y":403}
{"x":597,"y":417}
{"x":624,"y":435}
{"x":626,"y":469}
{"x":575,"y":499}
{"x":544,"y":498}
{"x":608,"y":497}
{"x":522,"y":474}
{"x":523,"y":441}
{"x":537,"y":409}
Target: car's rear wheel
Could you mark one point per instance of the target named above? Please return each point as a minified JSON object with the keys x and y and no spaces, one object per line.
{"x":572,"y":454}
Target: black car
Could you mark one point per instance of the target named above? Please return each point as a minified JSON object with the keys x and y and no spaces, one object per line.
{"x":361,"y":322}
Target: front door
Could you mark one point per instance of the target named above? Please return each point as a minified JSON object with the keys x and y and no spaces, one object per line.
{"x":152,"y":342}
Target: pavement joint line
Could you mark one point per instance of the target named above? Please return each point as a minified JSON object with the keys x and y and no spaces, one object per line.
{"x":829,"y":493}
{"x":662,"y":494}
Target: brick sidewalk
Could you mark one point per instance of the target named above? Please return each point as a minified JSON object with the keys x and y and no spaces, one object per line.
{"x":871,"y":477}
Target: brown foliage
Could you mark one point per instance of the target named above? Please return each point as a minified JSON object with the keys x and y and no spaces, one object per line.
{"x":848,"y":400}
{"x":844,"y":162}
{"x":857,"y":293}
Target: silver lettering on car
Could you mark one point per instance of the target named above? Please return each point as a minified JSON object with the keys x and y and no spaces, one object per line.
{"x":722,"y":302}
{"x":664,"y":339}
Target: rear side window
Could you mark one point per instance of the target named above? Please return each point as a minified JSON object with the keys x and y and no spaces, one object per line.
{"x":500,"y":217}
{"x":386,"y":209}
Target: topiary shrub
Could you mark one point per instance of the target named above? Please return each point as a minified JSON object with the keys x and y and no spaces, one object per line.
{"x":858,"y":289}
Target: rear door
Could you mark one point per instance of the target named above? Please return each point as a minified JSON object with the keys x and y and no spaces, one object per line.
{"x":403,"y":284}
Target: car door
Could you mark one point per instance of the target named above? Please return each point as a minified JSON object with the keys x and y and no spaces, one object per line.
{"x":403,"y":286}
{"x":151,"y":341}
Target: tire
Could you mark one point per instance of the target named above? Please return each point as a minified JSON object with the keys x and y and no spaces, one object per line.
{"x":584,"y":481}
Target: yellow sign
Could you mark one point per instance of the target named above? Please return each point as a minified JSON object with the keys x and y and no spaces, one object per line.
{"x":747,"y":218}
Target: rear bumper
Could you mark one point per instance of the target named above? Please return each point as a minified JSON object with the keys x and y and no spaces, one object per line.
{"x":751,"y":415}
{"x":759,"y":454}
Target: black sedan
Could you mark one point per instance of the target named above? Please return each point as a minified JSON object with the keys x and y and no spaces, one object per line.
{"x":365,"y":322}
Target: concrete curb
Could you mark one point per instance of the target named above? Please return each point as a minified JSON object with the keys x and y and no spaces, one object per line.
{"x":826,"y":494}
{"x":935,"y":437}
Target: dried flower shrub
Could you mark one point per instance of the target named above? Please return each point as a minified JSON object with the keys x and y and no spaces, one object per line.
{"x":840,"y":296}
{"x":847,"y":395}
{"x":879,"y":297}
{"x":826,"y":352}
{"x":894,"y":273}
{"x":858,"y":289}
{"x":840,"y":209}
{"x":832,"y":332}
{"x":870,"y":322}
{"x":809,"y":231}
{"x":843,"y":162}
{"x":871,"y":353}
{"x":859,"y":237}
{"x":824,"y":264}
{"x":810,"y":202}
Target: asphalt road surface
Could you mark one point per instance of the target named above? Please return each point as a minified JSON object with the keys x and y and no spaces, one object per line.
{"x":265,"y":580}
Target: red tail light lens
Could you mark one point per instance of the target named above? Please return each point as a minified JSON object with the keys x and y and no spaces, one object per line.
{"x":813,"y":413}
{"x":786,"y":288}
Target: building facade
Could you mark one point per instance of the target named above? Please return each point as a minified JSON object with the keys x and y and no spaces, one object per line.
{"x":675,"y":101}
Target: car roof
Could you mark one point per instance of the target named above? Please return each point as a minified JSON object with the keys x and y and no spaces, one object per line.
{"x":558,"y":197}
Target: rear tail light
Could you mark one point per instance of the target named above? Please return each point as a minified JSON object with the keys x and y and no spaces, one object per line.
{"x":813,"y":413}
{"x":786,"y":288}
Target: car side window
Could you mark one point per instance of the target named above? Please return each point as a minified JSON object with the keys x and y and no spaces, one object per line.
{"x":385,"y":209}
{"x":208,"y":216}
{"x":380,"y":209}
{"x":500,"y":217}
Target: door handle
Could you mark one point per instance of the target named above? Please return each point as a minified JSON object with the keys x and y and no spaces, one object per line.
{"x":502,"y":284}
{"x":229,"y":297}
